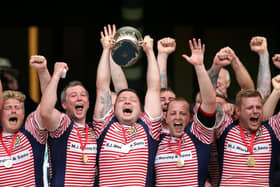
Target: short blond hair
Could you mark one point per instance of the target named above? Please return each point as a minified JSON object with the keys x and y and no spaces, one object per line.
{"x":7,"y":94}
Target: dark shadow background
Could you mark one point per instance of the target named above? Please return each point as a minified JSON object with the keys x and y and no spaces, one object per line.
{"x":71,"y":32}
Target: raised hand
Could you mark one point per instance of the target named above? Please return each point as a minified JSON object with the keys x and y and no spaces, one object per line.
{"x":107,"y":36}
{"x":197,"y":51}
{"x":276,"y":60}
{"x":148,"y":43}
{"x":166,"y":45}
{"x":276,"y":83}
{"x":60,"y":68}
{"x":38,"y":62}
{"x":258,"y":44}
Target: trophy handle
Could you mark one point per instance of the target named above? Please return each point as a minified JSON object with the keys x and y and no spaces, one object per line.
{"x":141,"y":43}
{"x":113,"y":42}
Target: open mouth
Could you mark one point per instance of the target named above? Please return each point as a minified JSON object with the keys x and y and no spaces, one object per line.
{"x":13,"y":120}
{"x":178,"y":124}
{"x":79,"y":107}
{"x":254,"y":119}
{"x":127,"y":111}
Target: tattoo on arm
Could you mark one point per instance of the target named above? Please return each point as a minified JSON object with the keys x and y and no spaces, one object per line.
{"x":264,"y":77}
{"x":213,"y":77}
{"x":219,"y":113}
{"x":106,"y":102}
{"x":163,"y":80}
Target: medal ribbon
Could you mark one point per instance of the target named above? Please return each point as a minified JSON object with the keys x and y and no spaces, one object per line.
{"x":124,"y":135}
{"x":9,"y":151}
{"x":179,"y":142}
{"x":251,"y":146}
{"x":83,"y":146}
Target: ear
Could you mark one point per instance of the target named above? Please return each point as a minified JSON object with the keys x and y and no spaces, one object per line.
{"x":63,"y":105}
{"x":237,"y":110}
{"x":227,"y":83}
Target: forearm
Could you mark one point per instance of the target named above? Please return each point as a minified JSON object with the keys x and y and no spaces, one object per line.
{"x":213,"y":73}
{"x":1,"y":94}
{"x":207,"y":91}
{"x":162,"y":62}
{"x":242,"y":75}
{"x":49,"y":97}
{"x":44,"y":78}
{"x":118,"y":76}
{"x":264,"y":75}
{"x":270,"y":104}
{"x":103,"y":77}
{"x":153,"y":78}
{"x":152,"y":99}
{"x":103,"y":100}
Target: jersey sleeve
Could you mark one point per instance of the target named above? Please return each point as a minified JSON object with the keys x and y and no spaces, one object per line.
{"x":100,"y":124}
{"x":274,"y":122}
{"x":154,"y":124}
{"x":200,"y":126}
{"x":33,"y":127}
{"x":64,"y":123}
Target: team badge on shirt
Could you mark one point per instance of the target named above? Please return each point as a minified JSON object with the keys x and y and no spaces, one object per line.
{"x":132,"y":130}
{"x":17,"y":141}
{"x":259,"y":132}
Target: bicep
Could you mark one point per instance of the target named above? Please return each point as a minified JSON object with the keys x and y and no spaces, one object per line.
{"x":152,"y":103}
{"x":103,"y":103}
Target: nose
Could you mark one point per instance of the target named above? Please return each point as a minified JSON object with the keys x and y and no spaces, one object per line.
{"x":13,"y":110}
{"x":177,"y":116}
{"x":79,"y":97}
{"x":126,"y":101}
{"x":255,"y":110}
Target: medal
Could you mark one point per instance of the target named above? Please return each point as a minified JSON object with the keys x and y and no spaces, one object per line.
{"x":251,"y":162}
{"x":83,"y":146}
{"x":85,"y":158}
{"x":125,"y":148}
{"x":180,"y":163}
{"x":8,"y":163}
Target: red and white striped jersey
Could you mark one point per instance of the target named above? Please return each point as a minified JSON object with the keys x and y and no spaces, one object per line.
{"x":125,"y":155}
{"x":67,"y":167}
{"x":27,"y":155}
{"x":234,"y":154}
{"x":195,"y":152}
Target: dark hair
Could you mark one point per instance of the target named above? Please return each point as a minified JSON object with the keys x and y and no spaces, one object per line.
{"x":166,"y":90}
{"x":130,"y":90}
{"x":127,"y":90}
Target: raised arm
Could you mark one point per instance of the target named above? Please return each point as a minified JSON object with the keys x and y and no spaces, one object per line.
{"x":118,"y":76}
{"x":220,"y":61}
{"x":103,"y":102}
{"x":1,"y":95}
{"x":39,"y":63}
{"x":271,"y":102}
{"x":152,"y":99}
{"x":207,"y":91}
{"x":276,"y":60}
{"x":242,"y":76}
{"x":49,"y":115}
{"x":258,"y":44}
{"x":165,"y":47}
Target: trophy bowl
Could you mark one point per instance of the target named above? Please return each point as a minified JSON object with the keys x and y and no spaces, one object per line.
{"x":127,"y":45}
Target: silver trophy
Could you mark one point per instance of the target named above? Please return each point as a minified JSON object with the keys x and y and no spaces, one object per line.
{"x":127,"y":46}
